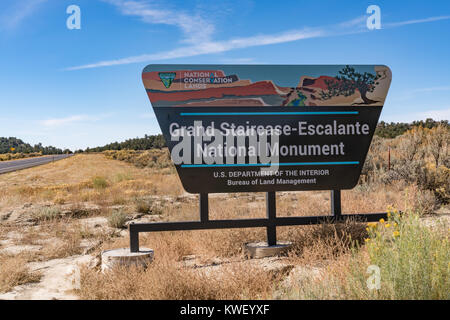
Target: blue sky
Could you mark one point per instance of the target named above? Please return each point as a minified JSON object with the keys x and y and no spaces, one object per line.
{"x":80,"y":88}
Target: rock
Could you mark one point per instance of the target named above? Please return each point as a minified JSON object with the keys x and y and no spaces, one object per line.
{"x":88,"y":245}
{"x":124,"y":233}
{"x":60,"y":277}
{"x":136,"y":216}
{"x":5,"y":215}
{"x":14,"y":235}
{"x":275,"y":265}
{"x":189,"y":261}
{"x":144,"y":219}
{"x":436,"y":220}
{"x":17,"y":249}
{"x":95,"y":262}
{"x":300,"y":274}
{"x":217,"y":268}
{"x":95,"y":222}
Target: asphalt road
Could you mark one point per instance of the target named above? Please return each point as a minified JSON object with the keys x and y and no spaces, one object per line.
{"x":9,"y":166}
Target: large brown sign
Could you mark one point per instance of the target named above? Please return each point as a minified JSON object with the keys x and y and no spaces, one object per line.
{"x":243,"y":128}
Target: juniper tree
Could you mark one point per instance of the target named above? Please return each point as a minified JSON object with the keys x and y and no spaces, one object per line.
{"x":348,"y":81}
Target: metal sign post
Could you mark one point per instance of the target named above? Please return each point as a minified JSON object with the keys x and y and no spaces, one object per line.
{"x":271,"y":210}
{"x":270,"y":223}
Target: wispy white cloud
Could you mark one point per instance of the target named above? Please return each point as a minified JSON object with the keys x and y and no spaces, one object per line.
{"x":18,"y":12}
{"x":408,"y":22}
{"x":239,"y":61}
{"x":57,"y":122}
{"x":195,"y":28}
{"x":411,"y":94}
{"x":353,"y":26}
{"x":442,"y":114}
{"x":437,"y":114}
{"x":212,"y":47}
{"x":432,"y":89}
{"x":358,"y":23}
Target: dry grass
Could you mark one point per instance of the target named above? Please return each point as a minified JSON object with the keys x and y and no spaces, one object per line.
{"x":18,"y":155}
{"x":92,"y":178}
{"x":119,"y":176}
{"x":413,"y":261}
{"x":59,"y":238}
{"x":66,"y":242}
{"x":14,"y":272}
{"x":164,"y":279}
{"x":167,"y":279}
{"x":122,"y":188}
{"x":154,"y":158}
{"x":117,"y":219}
{"x":85,"y":178}
{"x":311,"y":244}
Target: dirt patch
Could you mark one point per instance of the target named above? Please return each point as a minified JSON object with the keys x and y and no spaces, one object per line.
{"x":59,"y":279}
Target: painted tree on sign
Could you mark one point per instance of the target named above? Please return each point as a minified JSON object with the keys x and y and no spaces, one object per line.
{"x":348,"y":81}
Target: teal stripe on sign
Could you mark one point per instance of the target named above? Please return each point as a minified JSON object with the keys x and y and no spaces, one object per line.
{"x":313,"y":113}
{"x":270,"y":164}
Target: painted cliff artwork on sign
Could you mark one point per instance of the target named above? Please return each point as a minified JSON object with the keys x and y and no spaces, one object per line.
{"x":249,"y":85}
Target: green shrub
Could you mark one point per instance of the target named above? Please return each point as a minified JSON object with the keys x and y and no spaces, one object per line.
{"x":143,"y":206}
{"x":425,"y":202}
{"x":99,"y":182}
{"x":157,"y":210}
{"x":47,"y":213}
{"x":117,"y":219}
{"x":124,"y":177}
{"x":154,"y":158}
{"x":148,"y":207}
{"x":413,"y":260}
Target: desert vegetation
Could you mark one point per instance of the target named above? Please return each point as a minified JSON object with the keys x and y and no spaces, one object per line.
{"x":18,"y":155}
{"x":16,"y":147}
{"x":146,"y":143}
{"x":68,"y":212}
{"x":395,"y":129}
{"x":420,"y":157}
{"x":412,"y":259}
{"x":154,"y":158}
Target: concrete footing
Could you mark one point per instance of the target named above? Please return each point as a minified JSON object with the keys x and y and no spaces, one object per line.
{"x":124,"y":257}
{"x":261,"y":249}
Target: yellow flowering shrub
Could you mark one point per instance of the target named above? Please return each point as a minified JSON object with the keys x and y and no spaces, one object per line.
{"x":413,"y":258}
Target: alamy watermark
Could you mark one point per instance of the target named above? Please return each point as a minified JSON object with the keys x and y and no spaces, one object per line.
{"x":199,"y":145}
{"x":374,"y":280}
{"x":74,"y":20}
{"x":74,"y":277}
{"x":374,"y":20}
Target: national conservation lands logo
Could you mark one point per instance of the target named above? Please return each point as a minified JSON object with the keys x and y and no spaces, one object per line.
{"x":167,"y":78}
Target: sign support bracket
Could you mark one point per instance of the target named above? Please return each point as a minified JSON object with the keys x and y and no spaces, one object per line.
{"x":204,"y":207}
{"x":271,"y":210}
{"x":336,"y":210}
{"x":270,"y":222}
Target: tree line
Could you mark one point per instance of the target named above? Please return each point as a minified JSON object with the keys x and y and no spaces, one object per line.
{"x":392,"y":130}
{"x":15,"y":145}
{"x":384,"y":130}
{"x":146,"y":143}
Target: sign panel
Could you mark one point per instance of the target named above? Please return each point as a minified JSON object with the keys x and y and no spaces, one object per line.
{"x":254,"y":128}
